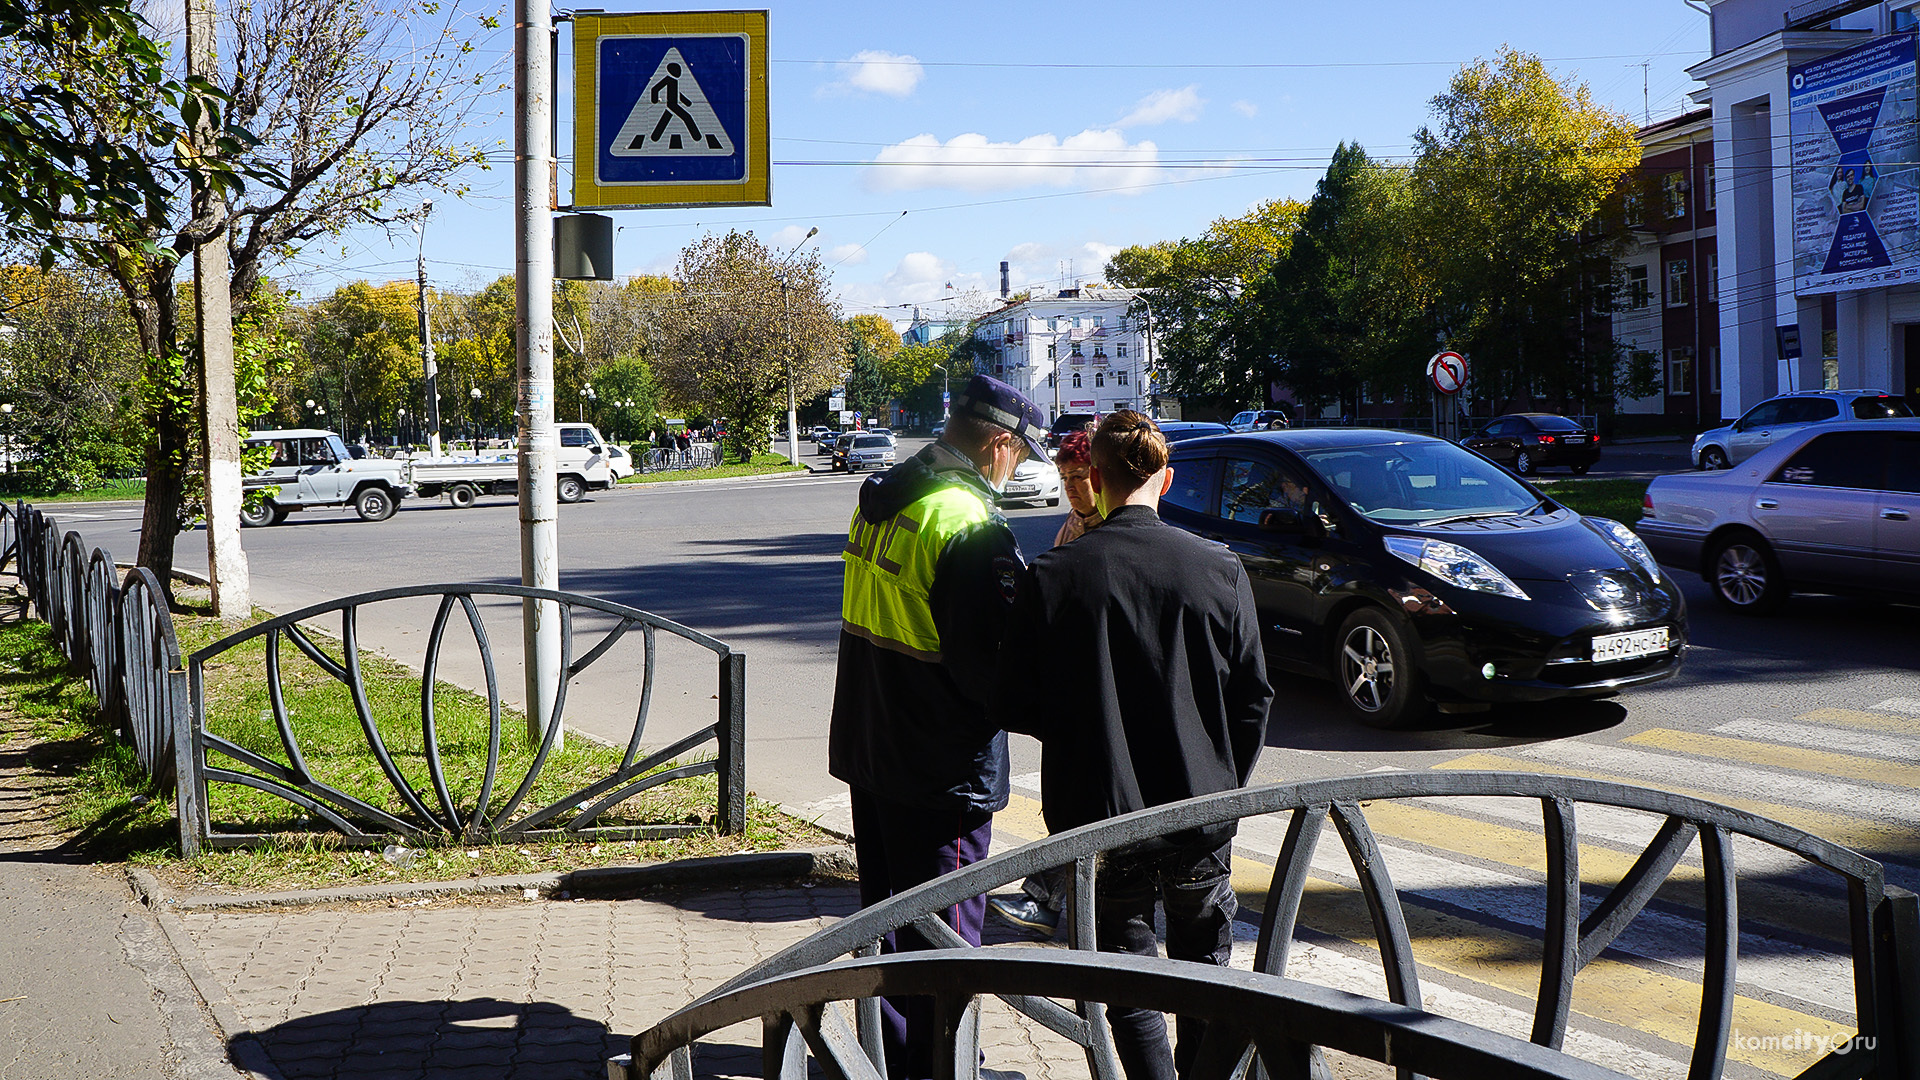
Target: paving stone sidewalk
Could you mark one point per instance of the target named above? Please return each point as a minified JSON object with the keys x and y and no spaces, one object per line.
{"x":514,"y":988}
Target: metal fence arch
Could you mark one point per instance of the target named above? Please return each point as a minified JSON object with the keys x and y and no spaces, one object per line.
{"x":1883,"y":926}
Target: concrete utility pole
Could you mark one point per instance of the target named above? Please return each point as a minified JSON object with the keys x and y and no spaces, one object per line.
{"x":213,"y":320}
{"x":533,"y":353}
{"x":793,"y":409}
{"x":427,"y":362}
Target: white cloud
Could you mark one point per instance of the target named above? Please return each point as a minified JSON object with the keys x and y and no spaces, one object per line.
{"x":847,"y":255}
{"x":1163,"y":106}
{"x":920,"y":278}
{"x":1246,"y":108}
{"x":785,"y":238}
{"x":1096,"y":158}
{"x":874,"y":72}
{"x":1044,"y":266}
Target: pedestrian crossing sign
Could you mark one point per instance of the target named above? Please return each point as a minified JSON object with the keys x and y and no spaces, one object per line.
{"x":670,"y":109}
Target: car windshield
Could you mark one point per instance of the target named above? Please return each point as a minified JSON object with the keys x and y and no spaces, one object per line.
{"x":869,"y":442}
{"x":1420,"y":483}
{"x":1554,"y":423}
{"x":1880,"y":408}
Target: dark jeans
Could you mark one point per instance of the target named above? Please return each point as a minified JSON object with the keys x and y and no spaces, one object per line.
{"x":900,"y":846}
{"x":1200,"y":906}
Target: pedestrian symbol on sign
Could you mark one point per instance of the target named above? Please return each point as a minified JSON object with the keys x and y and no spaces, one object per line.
{"x":672,"y":117}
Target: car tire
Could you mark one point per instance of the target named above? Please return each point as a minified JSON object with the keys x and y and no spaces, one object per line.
{"x":462,"y":496}
{"x":1713,"y":459}
{"x":261,"y":514}
{"x":1745,"y":575}
{"x":1373,"y":663}
{"x":852,"y":468}
{"x":1523,"y":463}
{"x":1579,"y":470}
{"x":1277,"y":425}
{"x":571,"y":489}
{"x":374,"y":504}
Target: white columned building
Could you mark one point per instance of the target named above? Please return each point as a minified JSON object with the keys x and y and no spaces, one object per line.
{"x":1078,"y":350}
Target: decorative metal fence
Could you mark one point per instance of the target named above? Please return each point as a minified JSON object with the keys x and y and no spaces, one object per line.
{"x":119,"y":634}
{"x":1883,"y":929}
{"x":699,"y":456}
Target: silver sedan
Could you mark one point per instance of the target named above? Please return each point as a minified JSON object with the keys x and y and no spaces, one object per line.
{"x":1826,"y":508}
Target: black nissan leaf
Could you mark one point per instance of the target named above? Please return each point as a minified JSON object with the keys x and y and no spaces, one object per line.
{"x":1411,"y":571}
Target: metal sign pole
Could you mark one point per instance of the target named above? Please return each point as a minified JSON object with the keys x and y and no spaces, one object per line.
{"x":533,"y":295}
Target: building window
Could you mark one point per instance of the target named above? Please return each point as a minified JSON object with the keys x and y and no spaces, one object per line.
{"x":1076,"y":322}
{"x":1120,"y":350}
{"x":1638,"y":295}
{"x":1679,"y":287}
{"x":1099,"y":379}
{"x":1053,"y":323}
{"x":1100,"y":350}
{"x":1680,"y":370}
{"x":1076,"y":349}
{"x":1635,"y":209}
{"x":1099,"y":320}
{"x":1053,"y":352}
{"x":1120,"y":378}
{"x":1673,"y":194}
{"x":1710,"y":287}
{"x":1708,"y":199}
{"x":1076,"y":380}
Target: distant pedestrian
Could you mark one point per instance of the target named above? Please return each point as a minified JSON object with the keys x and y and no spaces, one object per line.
{"x":930,"y":573}
{"x":1154,"y":689}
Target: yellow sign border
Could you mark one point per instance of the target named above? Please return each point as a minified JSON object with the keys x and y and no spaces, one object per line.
{"x":756,"y":189}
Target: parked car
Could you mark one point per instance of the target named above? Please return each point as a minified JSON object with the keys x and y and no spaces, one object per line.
{"x":1526,"y":441}
{"x":311,"y":467}
{"x":1068,"y":422}
{"x":1410,"y":570}
{"x":1034,"y":480}
{"x":620,"y":462}
{"x":1182,"y":430}
{"x":866,"y":450}
{"x":1825,"y":508}
{"x":1259,"y":420}
{"x":1772,"y":418}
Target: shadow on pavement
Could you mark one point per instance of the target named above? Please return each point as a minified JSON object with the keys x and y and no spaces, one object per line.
{"x":1307,"y":715}
{"x":433,"y":1040}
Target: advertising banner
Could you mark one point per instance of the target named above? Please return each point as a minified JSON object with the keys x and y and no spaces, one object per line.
{"x":1856,"y":197}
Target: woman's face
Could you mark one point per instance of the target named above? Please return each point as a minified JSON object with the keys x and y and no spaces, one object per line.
{"x":1077,"y":479}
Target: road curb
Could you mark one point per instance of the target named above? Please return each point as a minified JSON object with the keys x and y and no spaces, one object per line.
{"x":755,"y":478}
{"x":595,"y":882}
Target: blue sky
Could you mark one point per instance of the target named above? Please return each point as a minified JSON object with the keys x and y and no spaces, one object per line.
{"x":1159,"y":118}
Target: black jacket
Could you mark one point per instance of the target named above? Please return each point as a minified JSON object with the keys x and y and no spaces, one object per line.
{"x":1134,"y":655}
{"x":916,"y":671}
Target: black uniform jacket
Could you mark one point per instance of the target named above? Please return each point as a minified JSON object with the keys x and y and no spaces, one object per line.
{"x":1133,"y":654}
{"x":908,"y":725}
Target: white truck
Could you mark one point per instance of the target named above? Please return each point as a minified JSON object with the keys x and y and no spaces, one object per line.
{"x":311,"y":467}
{"x":581,"y":466}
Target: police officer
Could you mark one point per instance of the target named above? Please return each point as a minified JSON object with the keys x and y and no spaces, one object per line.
{"x":931,"y":571}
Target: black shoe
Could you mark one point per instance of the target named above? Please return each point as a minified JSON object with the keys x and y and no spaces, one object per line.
{"x":1025,"y":913}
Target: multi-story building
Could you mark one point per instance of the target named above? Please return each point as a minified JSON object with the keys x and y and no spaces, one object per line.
{"x":1814,"y":178}
{"x":1078,"y":350}
{"x":1668,"y":308}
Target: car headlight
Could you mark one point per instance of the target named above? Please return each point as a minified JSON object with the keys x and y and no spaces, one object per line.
{"x":1455,"y":565}
{"x":1629,"y":544}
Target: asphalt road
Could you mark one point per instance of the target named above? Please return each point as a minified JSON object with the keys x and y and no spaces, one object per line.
{"x":755,"y":563}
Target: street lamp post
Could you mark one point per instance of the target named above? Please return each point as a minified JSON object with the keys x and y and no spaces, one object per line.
{"x":786,"y":303}
{"x":473,"y":419}
{"x":586,"y":395}
{"x":6,"y":436}
{"x":399,"y":427}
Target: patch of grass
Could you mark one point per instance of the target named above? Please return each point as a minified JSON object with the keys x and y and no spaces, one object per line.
{"x":105,"y":491}
{"x":1613,"y":498}
{"x":105,"y":795}
{"x":761,"y":465}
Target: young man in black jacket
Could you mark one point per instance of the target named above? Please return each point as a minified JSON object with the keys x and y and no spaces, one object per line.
{"x":1154,"y":690}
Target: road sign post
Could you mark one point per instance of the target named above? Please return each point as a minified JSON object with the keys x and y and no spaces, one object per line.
{"x":1447,"y":371}
{"x":670,"y":109}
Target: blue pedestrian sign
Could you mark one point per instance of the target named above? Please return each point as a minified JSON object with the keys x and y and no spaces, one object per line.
{"x":671,"y":109}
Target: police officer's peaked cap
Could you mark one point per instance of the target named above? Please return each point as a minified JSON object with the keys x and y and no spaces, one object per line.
{"x":1001,"y":405}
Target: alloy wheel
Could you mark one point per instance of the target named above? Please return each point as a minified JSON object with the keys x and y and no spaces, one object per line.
{"x":1741,"y":575}
{"x":1366,"y":668}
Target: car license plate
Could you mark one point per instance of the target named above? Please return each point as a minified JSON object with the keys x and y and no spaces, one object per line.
{"x":1628,"y":646}
{"x":1576,"y":438}
{"x":1022,"y":489}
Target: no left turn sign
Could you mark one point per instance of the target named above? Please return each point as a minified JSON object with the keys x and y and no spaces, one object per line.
{"x":1448,"y":372}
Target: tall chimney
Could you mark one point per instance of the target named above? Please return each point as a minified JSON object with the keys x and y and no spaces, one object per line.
{"x":1004,"y":287}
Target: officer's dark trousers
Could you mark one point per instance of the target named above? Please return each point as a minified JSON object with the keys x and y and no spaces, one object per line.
{"x":900,"y":846}
{"x":1200,"y":906}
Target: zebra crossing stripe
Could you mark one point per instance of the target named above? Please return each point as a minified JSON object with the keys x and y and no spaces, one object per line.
{"x":1865,"y":721}
{"x":1818,"y":762}
{"x":1814,"y":736}
{"x":1899,"y":704}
